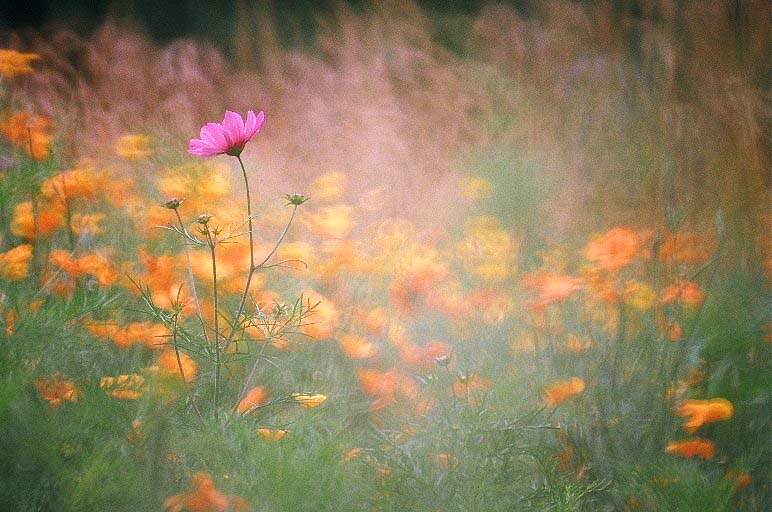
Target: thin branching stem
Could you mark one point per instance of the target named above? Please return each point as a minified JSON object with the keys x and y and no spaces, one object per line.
{"x":240,"y":310}
{"x":216,"y":340}
{"x":182,"y":372}
{"x":192,"y":280}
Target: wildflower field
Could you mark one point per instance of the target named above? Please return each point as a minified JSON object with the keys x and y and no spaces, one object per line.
{"x":388,"y":256}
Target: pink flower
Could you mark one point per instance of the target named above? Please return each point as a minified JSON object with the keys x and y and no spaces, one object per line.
{"x":228,"y":137}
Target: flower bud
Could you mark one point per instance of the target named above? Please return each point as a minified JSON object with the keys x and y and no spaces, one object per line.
{"x":296,"y":199}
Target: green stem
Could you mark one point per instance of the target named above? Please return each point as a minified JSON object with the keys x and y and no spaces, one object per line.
{"x":192,"y":280}
{"x":182,"y":372}
{"x":216,"y":340}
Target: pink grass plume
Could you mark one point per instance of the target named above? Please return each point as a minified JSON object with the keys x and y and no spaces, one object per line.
{"x":228,"y":137}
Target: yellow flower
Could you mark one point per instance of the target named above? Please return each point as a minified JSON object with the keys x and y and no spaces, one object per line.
{"x":14,"y":63}
{"x":639,"y":295}
{"x":309,"y":400}
{"x":133,"y":147}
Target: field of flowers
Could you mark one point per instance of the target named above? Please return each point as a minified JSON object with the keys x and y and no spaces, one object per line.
{"x":515,"y":270}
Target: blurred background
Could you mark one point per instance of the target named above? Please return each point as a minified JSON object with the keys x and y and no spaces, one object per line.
{"x":646,"y":109}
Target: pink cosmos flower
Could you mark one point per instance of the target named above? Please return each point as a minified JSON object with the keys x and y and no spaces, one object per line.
{"x":228,"y":137}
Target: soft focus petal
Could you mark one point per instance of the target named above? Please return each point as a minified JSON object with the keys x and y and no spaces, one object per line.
{"x":233,"y":128}
{"x":253,"y":124}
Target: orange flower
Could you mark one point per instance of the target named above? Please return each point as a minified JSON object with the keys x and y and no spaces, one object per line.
{"x":614,"y":249}
{"x":705,"y":411}
{"x":74,"y":183}
{"x":692,"y":447}
{"x":49,"y":218}
{"x":253,"y":398}
{"x":384,"y":386}
{"x":688,"y":247}
{"x":14,"y":264}
{"x":82,"y":223}
{"x":375,"y":320}
{"x":357,"y":347}
{"x":330,"y":185}
{"x":321,"y":322}
{"x":150,"y":334}
{"x":687,"y":292}
{"x":14,"y":63}
{"x":561,"y":390}
{"x":426,"y":356}
{"x":204,"y":497}
{"x":741,"y":479}
{"x":56,"y":389}
{"x":128,"y":387}
{"x":332,"y":221}
{"x":551,"y":287}
{"x":473,"y":382}
{"x":565,"y":457}
{"x":167,"y":360}
{"x":29,"y":132}
{"x":445,"y":460}
{"x":273,"y":435}
{"x":133,"y":146}
{"x":675,"y":332}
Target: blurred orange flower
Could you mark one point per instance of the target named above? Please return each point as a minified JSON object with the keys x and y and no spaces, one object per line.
{"x":701,"y":412}
{"x":551,"y":287}
{"x":49,"y":218}
{"x":470,"y":387}
{"x":688,"y":247}
{"x":322,"y":320}
{"x":57,"y":389}
{"x":72,"y":184}
{"x":332,"y":221}
{"x":692,"y":447}
{"x":14,"y":263}
{"x":129,"y":386}
{"x":273,"y":435}
{"x":687,"y":292}
{"x":614,"y":249}
{"x":253,"y":398}
{"x":30,"y":132}
{"x":561,"y":390}
{"x":167,"y":361}
{"x":204,"y":497}
{"x":14,"y":63}
{"x":357,"y":347}
{"x":133,"y":146}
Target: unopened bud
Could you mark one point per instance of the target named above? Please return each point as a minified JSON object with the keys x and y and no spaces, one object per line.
{"x":296,"y":199}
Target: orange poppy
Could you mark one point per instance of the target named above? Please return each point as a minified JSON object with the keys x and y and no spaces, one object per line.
{"x":14,"y":263}
{"x":701,"y":412}
{"x":253,"y":398}
{"x":614,"y":249}
{"x":561,"y":390}
{"x":204,"y":497}
{"x":692,"y":447}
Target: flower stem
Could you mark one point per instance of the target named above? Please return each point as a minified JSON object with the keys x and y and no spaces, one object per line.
{"x":182,"y":372}
{"x":192,"y":280}
{"x":244,"y":296}
{"x":216,"y":340}
{"x":253,"y":268}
